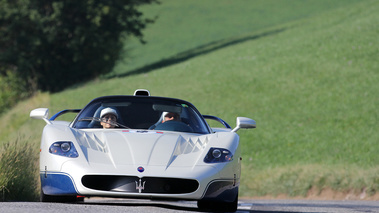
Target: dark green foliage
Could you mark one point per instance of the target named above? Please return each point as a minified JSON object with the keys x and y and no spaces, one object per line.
{"x":12,"y":89}
{"x":52,"y":44}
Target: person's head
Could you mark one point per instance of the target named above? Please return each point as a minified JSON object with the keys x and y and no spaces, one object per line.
{"x":108,"y":118}
{"x":170,"y":116}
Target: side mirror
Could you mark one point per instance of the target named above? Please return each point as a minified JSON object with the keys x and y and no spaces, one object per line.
{"x":244,"y":123}
{"x":41,"y":113}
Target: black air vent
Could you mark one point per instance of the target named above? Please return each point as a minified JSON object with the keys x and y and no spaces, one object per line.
{"x":134,"y":184}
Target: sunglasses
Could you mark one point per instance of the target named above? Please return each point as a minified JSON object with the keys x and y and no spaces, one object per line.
{"x":108,"y":117}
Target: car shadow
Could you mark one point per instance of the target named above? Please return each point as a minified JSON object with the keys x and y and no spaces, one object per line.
{"x":200,"y":50}
{"x":175,"y":205}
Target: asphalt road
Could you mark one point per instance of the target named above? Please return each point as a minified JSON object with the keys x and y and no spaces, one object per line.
{"x":245,"y":206}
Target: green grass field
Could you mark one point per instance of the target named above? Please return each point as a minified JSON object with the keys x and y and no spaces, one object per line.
{"x":306,"y":71}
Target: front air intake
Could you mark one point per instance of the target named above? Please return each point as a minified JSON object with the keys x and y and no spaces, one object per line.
{"x":133,"y":184}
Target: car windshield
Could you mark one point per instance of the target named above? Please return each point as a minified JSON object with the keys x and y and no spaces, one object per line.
{"x":146,"y":113}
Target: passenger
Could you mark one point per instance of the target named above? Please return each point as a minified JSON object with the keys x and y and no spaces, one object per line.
{"x":166,"y":116}
{"x":170,"y":116}
{"x":108,"y":118}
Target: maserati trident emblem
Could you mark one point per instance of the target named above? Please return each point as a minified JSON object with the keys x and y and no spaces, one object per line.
{"x":140,"y":185}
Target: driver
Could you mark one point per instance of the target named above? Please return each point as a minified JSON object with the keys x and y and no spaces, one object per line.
{"x":108,"y":118}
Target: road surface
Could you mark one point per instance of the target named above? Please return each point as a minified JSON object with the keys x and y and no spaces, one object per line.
{"x":108,"y":205}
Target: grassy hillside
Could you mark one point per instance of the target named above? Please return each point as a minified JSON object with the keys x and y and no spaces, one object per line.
{"x":184,"y":29}
{"x":308,"y":74}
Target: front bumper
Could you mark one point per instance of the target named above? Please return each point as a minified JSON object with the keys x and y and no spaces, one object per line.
{"x":183,"y":183}
{"x":57,"y":184}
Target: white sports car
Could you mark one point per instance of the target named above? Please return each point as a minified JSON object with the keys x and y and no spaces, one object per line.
{"x":140,"y":146}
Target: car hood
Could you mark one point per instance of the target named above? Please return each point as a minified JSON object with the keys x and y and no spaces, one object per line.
{"x":142,"y":148}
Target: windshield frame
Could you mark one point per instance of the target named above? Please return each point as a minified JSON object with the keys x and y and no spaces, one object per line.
{"x":201,"y":125}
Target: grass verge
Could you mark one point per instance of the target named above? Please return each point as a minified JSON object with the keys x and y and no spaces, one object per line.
{"x":18,"y":171}
{"x":301,"y":180}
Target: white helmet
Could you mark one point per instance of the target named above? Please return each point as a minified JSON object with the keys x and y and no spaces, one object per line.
{"x":165,"y":113}
{"x":108,"y":111}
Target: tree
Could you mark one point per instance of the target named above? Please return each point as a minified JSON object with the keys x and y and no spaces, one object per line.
{"x":52,"y":44}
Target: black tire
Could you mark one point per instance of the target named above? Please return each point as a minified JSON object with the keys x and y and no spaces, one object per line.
{"x":218,"y":206}
{"x":59,"y":199}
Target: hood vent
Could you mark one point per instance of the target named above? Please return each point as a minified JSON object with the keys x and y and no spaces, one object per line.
{"x":91,"y":141}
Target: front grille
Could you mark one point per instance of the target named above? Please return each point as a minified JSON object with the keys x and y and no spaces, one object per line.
{"x":133,"y":184}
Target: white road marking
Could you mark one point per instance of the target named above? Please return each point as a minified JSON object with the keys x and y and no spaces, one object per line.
{"x":244,"y":206}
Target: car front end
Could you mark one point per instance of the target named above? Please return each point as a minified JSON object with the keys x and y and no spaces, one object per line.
{"x":138,"y":163}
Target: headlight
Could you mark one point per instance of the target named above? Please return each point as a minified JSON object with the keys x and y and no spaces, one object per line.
{"x":64,"y":148}
{"x":218,"y":155}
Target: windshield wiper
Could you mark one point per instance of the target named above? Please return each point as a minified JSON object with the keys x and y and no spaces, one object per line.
{"x":99,"y":120}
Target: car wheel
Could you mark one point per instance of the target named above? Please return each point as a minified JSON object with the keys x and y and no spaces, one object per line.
{"x":218,"y":205}
{"x":59,"y":199}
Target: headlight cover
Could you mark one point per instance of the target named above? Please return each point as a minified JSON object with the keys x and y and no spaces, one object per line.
{"x":64,"y":148}
{"x":218,"y":155}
